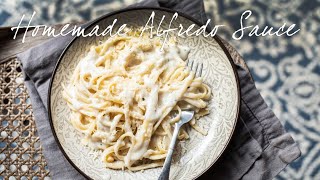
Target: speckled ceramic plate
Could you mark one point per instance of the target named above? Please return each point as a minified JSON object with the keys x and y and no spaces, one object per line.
{"x":200,"y":152}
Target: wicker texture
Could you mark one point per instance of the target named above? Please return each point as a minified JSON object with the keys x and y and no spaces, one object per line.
{"x":20,"y":150}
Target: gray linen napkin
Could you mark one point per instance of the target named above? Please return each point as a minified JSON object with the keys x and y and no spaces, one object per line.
{"x":259,"y":149}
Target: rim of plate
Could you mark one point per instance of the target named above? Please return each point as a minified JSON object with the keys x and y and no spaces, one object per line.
{"x":216,"y":37}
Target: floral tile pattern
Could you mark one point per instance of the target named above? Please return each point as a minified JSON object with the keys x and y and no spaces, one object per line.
{"x":286,"y":69}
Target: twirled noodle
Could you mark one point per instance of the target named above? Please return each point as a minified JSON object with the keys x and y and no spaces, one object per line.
{"x":126,"y":94}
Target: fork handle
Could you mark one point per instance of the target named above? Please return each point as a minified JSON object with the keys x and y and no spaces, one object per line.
{"x":167,"y":163}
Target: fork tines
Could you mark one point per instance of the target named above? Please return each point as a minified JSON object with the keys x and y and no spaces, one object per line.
{"x":195,"y":67}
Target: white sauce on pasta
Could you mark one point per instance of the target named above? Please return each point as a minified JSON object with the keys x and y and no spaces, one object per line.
{"x":125,"y":96}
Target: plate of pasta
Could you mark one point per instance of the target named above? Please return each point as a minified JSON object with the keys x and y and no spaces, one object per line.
{"x":113,"y":100}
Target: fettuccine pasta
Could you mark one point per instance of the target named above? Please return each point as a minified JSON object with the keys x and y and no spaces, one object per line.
{"x":125,"y":96}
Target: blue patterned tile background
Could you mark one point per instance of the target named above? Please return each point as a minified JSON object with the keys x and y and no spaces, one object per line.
{"x":286,"y":70}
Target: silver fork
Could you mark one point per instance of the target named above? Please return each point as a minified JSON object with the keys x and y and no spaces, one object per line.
{"x":186,"y":116}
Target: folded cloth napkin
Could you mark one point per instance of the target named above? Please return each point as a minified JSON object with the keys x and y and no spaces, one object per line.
{"x":259,"y":149}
